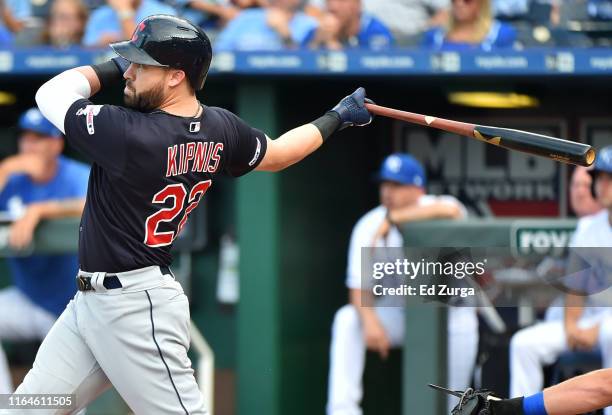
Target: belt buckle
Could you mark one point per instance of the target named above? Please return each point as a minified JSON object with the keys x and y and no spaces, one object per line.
{"x":84,"y":283}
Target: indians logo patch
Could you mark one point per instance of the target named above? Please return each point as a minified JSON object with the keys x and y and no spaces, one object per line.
{"x":90,"y":111}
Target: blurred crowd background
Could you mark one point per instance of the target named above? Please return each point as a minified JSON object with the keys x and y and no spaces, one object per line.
{"x":319,"y":24}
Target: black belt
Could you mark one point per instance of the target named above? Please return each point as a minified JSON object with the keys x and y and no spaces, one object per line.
{"x":111,"y":281}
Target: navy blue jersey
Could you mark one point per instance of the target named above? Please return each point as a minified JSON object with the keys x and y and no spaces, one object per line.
{"x":150,"y":170}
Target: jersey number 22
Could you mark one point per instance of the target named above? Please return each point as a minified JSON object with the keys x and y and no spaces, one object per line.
{"x":178,"y":193}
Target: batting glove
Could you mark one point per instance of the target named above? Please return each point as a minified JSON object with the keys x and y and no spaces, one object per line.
{"x":352,"y":110}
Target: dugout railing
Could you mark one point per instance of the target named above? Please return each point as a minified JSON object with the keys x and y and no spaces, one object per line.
{"x":426,"y":341}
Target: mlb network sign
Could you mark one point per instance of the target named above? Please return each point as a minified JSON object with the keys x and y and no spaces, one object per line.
{"x":489,"y":180}
{"x":551,"y":238}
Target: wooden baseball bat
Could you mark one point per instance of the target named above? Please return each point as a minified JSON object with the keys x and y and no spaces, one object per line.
{"x":541,"y":145}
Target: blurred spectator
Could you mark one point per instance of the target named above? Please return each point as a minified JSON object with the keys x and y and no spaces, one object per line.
{"x":566,"y":328}
{"x":282,"y":24}
{"x":581,"y":193}
{"x":14,"y":15}
{"x":37,"y":184}
{"x":471,"y":26}
{"x":510,"y":8}
{"x":117,"y":20}
{"x":213,"y":13}
{"x":66,"y":23}
{"x":345,"y":25}
{"x":600,"y":9}
{"x":377,"y":323}
{"x":405,"y":18}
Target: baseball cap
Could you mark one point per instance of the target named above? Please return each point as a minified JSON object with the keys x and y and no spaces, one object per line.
{"x":33,"y":120}
{"x":402,"y":168}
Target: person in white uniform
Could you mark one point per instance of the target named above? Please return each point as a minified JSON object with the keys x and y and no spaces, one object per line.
{"x":357,"y":328}
{"x":587,"y":324}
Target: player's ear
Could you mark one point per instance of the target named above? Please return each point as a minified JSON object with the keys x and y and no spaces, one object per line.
{"x":175,"y":77}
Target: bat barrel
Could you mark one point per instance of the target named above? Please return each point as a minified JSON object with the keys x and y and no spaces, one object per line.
{"x":541,"y":145}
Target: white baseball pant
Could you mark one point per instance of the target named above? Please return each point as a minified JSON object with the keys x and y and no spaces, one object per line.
{"x":20,"y":320}
{"x":347,"y":353}
{"x":135,"y":337}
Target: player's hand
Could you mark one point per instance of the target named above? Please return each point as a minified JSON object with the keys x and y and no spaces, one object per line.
{"x":586,"y":339}
{"x":382,"y":232}
{"x":21,"y":232}
{"x":573,"y":336}
{"x":33,"y":165}
{"x":352,"y":110}
{"x":376,"y":337}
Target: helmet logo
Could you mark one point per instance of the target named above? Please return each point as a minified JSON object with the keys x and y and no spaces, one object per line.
{"x":138,"y":30}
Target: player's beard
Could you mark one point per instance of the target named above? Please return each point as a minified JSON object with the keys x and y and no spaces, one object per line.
{"x":145,"y":101}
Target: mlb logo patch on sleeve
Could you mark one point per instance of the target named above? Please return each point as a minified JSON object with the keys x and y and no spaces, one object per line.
{"x":90,"y":111}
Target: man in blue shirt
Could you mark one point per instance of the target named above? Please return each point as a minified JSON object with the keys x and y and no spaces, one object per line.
{"x":117,"y":20}
{"x":13,"y":15}
{"x":36,"y":184}
{"x":272,"y":28}
{"x":345,"y":25}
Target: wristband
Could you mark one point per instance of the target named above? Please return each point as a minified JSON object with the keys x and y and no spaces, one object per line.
{"x":108,"y":72}
{"x":327,"y":124}
{"x":534,"y":404}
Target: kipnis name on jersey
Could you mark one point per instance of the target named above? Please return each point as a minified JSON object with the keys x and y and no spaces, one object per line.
{"x":203,"y":157}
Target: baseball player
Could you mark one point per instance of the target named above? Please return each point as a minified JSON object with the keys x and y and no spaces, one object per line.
{"x":36,"y":184}
{"x":153,"y":161}
{"x":585,"y":325}
{"x":357,"y":327}
{"x":588,"y":392}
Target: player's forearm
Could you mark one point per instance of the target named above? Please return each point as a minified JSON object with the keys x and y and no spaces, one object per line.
{"x":296,"y":144}
{"x":363,"y":302}
{"x":416,"y":213}
{"x":55,"y":96}
{"x":10,"y":22}
{"x":292,"y":147}
{"x":574,"y":306}
{"x":581,"y":394}
{"x":56,"y":209}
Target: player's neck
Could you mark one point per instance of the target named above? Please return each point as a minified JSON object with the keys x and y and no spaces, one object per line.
{"x":185,"y":106}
